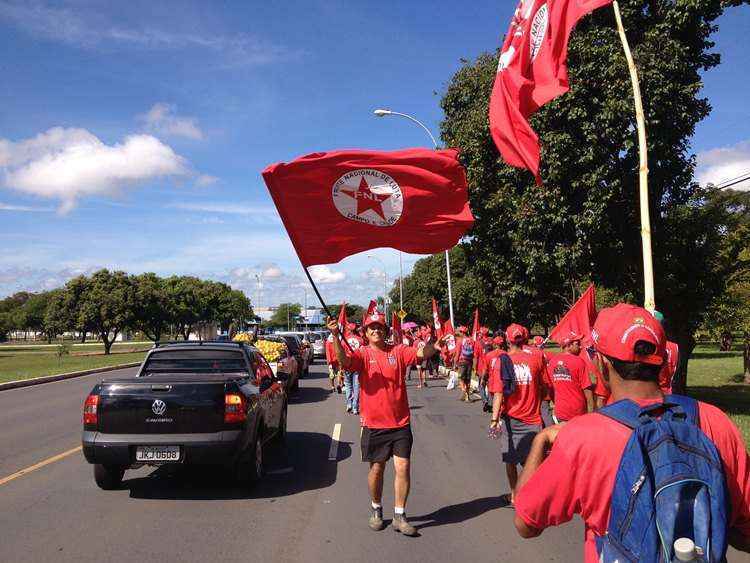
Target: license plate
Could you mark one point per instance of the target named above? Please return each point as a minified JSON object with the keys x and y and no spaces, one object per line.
{"x":157,"y":453}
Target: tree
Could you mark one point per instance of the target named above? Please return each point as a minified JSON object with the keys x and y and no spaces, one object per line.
{"x":531,"y":245}
{"x":151,"y":305}
{"x":354,"y":313}
{"x":33,"y":314}
{"x":56,"y":319}
{"x":285,"y":314}
{"x":108,"y":304}
{"x":234,"y":309}
{"x":183,"y":294}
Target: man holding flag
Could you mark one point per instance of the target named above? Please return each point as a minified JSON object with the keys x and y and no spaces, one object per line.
{"x":385,"y":411}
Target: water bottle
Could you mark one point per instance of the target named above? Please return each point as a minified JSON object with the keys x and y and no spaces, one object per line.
{"x":685,"y":550}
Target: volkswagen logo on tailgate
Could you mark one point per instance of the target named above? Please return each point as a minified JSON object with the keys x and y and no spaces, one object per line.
{"x":159,"y":407}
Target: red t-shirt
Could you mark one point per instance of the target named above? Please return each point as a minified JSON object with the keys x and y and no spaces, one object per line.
{"x":568,"y":378}
{"x":669,"y":368}
{"x":579,"y":474}
{"x":546,"y":388}
{"x":331,"y":354}
{"x":382,"y":384}
{"x":524,"y":404}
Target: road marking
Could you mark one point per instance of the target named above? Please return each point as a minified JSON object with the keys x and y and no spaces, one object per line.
{"x":39,"y":465}
{"x":333,"y":454}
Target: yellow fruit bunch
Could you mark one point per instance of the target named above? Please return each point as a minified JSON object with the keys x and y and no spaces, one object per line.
{"x":243,"y":337}
{"x":271,"y":350}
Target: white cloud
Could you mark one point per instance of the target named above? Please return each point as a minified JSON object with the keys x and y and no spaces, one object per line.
{"x":162,"y":118}
{"x":8,"y":207}
{"x":323,"y":274}
{"x":204,"y":180}
{"x":272,"y":272}
{"x":719,"y":165}
{"x":67,"y":164}
{"x":89,"y":30}
{"x":264,"y":213}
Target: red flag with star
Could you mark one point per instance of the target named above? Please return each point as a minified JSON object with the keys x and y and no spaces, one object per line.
{"x":338,"y":203}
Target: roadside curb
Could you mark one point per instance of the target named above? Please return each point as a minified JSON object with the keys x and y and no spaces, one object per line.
{"x":62,"y":376}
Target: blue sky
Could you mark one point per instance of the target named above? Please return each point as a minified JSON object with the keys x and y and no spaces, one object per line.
{"x":181,"y":105}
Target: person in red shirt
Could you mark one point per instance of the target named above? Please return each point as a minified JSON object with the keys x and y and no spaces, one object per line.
{"x":579,"y":473}
{"x":668,"y":370}
{"x":465,"y":360}
{"x":333,"y":363}
{"x":537,"y":347}
{"x":569,"y":381}
{"x":520,"y":411}
{"x":350,"y":379}
{"x":384,"y":407}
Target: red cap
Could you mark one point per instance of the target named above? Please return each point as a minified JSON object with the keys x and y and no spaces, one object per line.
{"x":538,"y":340}
{"x":498,"y":340}
{"x":570,"y":338}
{"x":517,"y":333}
{"x":375,"y":318}
{"x":618,"y":328}
{"x":351,"y":326}
{"x":484,"y":330}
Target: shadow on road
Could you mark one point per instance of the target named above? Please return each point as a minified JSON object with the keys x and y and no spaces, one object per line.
{"x":457,"y":513}
{"x":306,"y":454}
{"x":309,"y":395}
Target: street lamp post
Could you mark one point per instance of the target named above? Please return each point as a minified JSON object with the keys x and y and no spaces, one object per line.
{"x":385,"y":284}
{"x":383,"y":113}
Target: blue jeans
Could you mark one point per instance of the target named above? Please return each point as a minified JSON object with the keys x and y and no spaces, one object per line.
{"x":486,"y":398}
{"x":351,"y":388}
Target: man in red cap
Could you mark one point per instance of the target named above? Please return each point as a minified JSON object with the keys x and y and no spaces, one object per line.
{"x":569,"y":381}
{"x":490,"y":358}
{"x":385,"y":412}
{"x":578,"y":475}
{"x":521,"y":420}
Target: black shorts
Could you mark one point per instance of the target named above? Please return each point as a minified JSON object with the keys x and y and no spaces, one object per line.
{"x":464,"y":372}
{"x":379,"y":444}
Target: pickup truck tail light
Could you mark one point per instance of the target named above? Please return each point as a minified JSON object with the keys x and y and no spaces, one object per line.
{"x":234,"y":408}
{"x":90,"y":408}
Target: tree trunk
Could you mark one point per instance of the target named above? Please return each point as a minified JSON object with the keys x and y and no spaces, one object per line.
{"x":746,"y":357}
{"x":83,"y":337}
{"x":686,"y":342}
{"x":185,"y":331}
{"x":107,"y":342}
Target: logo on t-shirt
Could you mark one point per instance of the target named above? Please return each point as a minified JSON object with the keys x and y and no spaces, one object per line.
{"x":392,"y":359}
{"x":523,"y":374}
{"x":561,"y":372}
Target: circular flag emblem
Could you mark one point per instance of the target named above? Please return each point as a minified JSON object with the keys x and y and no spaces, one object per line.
{"x":368,"y":196}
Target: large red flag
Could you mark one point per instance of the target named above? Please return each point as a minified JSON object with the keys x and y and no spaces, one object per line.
{"x":338,"y":203}
{"x":579,"y":319}
{"x":436,"y":323}
{"x":372,"y":309}
{"x":532,"y":71}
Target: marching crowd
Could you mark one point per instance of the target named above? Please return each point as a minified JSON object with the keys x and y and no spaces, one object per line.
{"x":571,"y":420}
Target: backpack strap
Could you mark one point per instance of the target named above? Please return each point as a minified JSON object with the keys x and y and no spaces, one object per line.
{"x":625,"y":412}
{"x":685,"y":405}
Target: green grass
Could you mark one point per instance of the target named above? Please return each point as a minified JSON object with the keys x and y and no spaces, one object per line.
{"x":717,"y":378}
{"x":88,"y":347}
{"x":26,"y":364}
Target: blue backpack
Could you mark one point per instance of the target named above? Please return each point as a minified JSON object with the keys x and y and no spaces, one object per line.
{"x":670,"y":485}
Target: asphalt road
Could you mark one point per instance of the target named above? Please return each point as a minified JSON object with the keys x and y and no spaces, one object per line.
{"x":308,"y":509}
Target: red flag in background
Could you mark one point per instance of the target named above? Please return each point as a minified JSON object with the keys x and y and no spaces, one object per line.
{"x":579,"y":319}
{"x":532,"y":70}
{"x":372,"y":309}
{"x":450,"y":340}
{"x":343,"y":321}
{"x":475,"y":328}
{"x":396,"y":326}
{"x":338,"y":203}
{"x":437,"y":325}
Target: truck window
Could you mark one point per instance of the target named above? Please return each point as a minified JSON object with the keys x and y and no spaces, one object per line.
{"x":195,"y":361}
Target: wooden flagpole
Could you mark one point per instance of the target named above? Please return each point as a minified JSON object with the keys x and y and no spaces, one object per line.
{"x":325,"y":307}
{"x":648,"y":267}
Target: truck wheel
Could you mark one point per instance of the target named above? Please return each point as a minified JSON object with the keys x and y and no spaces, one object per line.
{"x":280,"y":438}
{"x":108,"y":477}
{"x":251,"y":469}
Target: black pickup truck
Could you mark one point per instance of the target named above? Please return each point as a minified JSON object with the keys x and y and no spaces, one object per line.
{"x":193,"y":403}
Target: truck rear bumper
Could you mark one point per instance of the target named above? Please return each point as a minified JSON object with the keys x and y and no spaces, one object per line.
{"x":216,"y":448}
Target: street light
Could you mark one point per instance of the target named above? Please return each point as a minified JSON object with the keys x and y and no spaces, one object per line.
{"x":385,"y":284}
{"x":383,"y":113}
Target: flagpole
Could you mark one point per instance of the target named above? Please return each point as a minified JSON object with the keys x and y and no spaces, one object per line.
{"x":325,"y":307}
{"x":648,"y":267}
